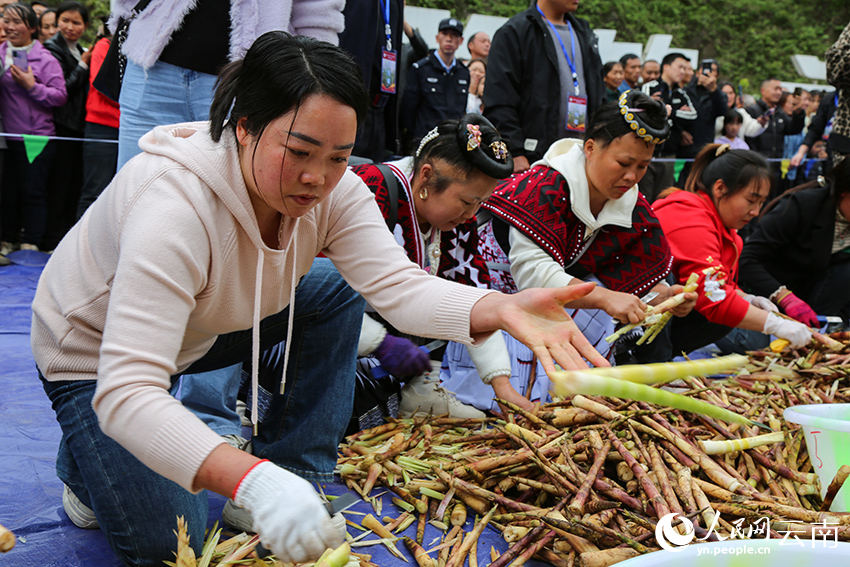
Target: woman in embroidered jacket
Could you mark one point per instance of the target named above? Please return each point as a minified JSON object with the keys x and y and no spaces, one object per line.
{"x":455,"y":169}
{"x":577,"y":214}
{"x":724,"y":191}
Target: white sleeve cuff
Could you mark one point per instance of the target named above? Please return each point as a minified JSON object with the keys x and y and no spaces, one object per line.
{"x":372,"y":335}
{"x":531,"y":266}
{"x":491,"y":357}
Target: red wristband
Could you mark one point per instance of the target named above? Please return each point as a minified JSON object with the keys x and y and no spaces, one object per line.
{"x":238,"y":484}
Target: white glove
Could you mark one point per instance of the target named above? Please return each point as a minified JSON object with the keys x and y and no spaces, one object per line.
{"x":288,"y":515}
{"x":761,"y":302}
{"x":792,"y":331}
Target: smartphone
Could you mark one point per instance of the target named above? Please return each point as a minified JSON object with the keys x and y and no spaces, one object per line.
{"x":19,"y":60}
{"x":706,"y":66}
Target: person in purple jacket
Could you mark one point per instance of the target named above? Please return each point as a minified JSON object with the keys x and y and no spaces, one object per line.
{"x":31,"y":85}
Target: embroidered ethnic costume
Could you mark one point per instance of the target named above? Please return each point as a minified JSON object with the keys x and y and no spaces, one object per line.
{"x":630,"y":260}
{"x":459,"y":260}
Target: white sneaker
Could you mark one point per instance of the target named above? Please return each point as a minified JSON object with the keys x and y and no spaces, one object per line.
{"x":424,"y":396}
{"x":242,"y":412}
{"x":237,"y":517}
{"x":7,"y":247}
{"x":27,"y":246}
{"x":81,"y":515}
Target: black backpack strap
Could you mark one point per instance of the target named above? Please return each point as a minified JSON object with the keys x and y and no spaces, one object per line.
{"x":392,"y":191}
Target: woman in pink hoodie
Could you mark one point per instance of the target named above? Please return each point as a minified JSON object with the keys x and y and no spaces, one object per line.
{"x":202,"y":252}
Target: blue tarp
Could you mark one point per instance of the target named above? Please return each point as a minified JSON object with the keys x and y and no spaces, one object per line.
{"x":30,"y":493}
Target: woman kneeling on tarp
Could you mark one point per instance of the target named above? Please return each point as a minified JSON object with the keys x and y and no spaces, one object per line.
{"x":724,"y":191}
{"x":200,"y":253}
{"x":577,"y":214}
{"x":799,"y":252}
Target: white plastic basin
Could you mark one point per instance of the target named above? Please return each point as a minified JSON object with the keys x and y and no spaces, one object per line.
{"x":827,"y":431}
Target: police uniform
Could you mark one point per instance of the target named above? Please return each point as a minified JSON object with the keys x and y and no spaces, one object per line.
{"x":433,"y":94}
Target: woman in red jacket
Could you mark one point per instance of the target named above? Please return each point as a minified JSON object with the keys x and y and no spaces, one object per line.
{"x":724,"y":191}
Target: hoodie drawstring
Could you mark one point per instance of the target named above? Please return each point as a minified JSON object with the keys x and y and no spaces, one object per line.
{"x":292,"y":245}
{"x":292,"y":284}
{"x":255,"y":340}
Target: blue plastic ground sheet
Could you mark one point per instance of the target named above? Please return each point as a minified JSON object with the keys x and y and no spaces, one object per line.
{"x":30,"y":493}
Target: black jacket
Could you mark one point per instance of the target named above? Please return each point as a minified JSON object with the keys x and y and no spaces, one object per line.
{"x":771,"y":142}
{"x":432,"y":95}
{"x":364,"y":39}
{"x":72,"y":115}
{"x":817,"y":127}
{"x":709,"y":105}
{"x":522,"y":94}
{"x":791,"y":245}
{"x":683,"y":113}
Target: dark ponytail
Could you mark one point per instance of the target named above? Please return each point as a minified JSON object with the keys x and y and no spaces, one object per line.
{"x":225,"y":94}
{"x":278,"y":72}
{"x":736,"y":168}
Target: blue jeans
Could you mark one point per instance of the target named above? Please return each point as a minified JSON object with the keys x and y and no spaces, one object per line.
{"x":23,"y":195}
{"x":136,"y":508}
{"x":99,"y":159}
{"x":164,"y":94}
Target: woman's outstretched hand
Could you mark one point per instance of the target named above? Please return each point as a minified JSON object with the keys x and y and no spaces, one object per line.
{"x":536,"y":317}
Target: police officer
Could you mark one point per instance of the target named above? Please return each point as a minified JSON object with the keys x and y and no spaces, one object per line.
{"x":437,"y":85}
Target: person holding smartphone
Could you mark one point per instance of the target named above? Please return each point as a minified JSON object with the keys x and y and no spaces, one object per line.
{"x":778,"y":124}
{"x":30,"y":87}
{"x":709,"y":104}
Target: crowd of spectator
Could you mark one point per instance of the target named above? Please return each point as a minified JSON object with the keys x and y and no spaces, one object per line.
{"x":45,"y":91}
{"x":595,"y":149}
{"x":546,"y":78}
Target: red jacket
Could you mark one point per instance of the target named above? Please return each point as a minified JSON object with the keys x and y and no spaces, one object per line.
{"x":699,"y":240}
{"x":100,"y":109}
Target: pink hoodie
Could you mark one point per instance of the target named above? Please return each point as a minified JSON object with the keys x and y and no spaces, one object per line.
{"x":170,"y":256}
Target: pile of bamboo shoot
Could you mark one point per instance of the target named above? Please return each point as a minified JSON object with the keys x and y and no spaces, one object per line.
{"x":584,"y":480}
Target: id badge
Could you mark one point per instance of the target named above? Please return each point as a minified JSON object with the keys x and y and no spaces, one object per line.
{"x":576,"y":114}
{"x":388,"y":67}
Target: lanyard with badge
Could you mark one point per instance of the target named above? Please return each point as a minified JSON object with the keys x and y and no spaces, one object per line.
{"x":576,"y":105}
{"x":388,"y":56}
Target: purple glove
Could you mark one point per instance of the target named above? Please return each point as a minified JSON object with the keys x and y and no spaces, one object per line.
{"x":401,"y":358}
{"x":795,"y":307}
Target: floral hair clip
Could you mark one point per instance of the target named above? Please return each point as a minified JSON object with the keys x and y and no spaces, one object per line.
{"x":500,"y":150}
{"x":473,"y":137}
